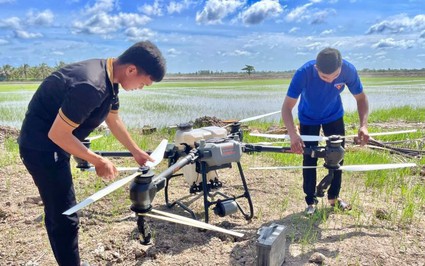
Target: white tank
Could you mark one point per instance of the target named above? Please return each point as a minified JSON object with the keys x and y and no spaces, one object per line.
{"x":185,"y":134}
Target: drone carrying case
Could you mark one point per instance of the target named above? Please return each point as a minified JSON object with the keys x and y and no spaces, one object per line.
{"x":271,"y":245}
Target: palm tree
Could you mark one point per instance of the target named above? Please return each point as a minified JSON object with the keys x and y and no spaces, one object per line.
{"x":249,"y":69}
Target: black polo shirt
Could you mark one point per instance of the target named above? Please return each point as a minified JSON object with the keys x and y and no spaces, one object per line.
{"x":81,"y":93}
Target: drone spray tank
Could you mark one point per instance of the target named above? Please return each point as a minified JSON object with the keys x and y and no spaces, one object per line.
{"x":185,"y":139}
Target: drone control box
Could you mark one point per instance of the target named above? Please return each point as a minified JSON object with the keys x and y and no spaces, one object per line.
{"x":271,"y":245}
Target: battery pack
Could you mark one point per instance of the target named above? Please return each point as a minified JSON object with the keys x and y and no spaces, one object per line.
{"x":271,"y":245}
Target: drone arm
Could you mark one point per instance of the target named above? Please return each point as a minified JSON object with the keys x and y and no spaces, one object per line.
{"x":159,"y":180}
{"x":260,"y":148}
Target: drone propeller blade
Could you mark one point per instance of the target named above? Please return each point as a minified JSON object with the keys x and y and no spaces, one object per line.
{"x":120,"y":169}
{"x":257,"y":117}
{"x":284,"y":167}
{"x":321,"y":138}
{"x":188,"y":221}
{"x":384,"y":133}
{"x":94,"y":137}
{"x":157,"y":155}
{"x":100,"y":194}
{"x":350,"y":168}
{"x":282,"y":136}
{"x":372,"y":167}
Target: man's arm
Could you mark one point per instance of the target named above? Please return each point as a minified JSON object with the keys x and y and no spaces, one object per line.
{"x":61,"y":134}
{"x":297,"y":145}
{"x":119,"y":130}
{"x":363,"y":110}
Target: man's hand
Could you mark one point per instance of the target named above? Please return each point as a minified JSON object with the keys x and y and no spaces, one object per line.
{"x":363,"y":136}
{"x":106,"y":169}
{"x":142,"y":157}
{"x":297,"y":144}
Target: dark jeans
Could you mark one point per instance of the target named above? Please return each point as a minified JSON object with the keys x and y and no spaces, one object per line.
{"x":52,"y":175}
{"x":309,"y":175}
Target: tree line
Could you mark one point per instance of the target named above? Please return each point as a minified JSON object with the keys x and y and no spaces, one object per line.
{"x":26,"y":72}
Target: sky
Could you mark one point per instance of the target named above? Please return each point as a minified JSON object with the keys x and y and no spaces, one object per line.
{"x":216,"y":35}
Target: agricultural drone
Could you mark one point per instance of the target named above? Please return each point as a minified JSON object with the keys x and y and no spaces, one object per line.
{"x":199,"y":153}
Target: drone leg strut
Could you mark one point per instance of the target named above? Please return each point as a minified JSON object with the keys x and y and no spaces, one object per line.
{"x":144,"y":230}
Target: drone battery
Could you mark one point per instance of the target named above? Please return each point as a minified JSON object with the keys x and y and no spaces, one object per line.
{"x":271,"y":245}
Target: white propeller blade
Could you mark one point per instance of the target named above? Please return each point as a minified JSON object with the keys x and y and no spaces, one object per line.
{"x":257,"y":117}
{"x":94,"y":137}
{"x":384,"y":133}
{"x":283,"y":136}
{"x":120,"y":169}
{"x":351,"y":168}
{"x":100,"y":194}
{"x":188,"y":221}
{"x":157,"y":155}
{"x":321,"y":138}
{"x":284,"y":167}
{"x":372,"y":167}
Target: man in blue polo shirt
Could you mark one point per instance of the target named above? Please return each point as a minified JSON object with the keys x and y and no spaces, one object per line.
{"x":319,"y":84}
{"x":68,"y":105}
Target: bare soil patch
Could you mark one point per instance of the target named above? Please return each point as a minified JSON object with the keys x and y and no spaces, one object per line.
{"x":108,"y":231}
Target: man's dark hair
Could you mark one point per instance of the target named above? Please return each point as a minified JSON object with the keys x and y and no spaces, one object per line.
{"x":147,"y":58}
{"x":328,"y":60}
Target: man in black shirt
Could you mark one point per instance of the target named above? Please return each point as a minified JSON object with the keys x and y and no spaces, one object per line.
{"x":66,"y":108}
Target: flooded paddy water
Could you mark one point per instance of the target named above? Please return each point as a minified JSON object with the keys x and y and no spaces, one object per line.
{"x":166,"y":104}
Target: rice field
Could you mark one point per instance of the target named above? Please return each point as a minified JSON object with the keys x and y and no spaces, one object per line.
{"x":172,"y":102}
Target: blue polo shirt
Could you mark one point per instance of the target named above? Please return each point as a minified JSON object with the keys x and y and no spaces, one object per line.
{"x":320,"y":102}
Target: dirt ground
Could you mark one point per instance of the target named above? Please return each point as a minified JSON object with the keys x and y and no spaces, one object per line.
{"x":109,"y":235}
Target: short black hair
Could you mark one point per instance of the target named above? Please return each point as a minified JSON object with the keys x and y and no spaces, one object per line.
{"x":147,"y":58}
{"x":328,"y":60}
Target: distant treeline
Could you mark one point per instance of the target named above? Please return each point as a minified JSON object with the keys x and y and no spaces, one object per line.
{"x":38,"y":73}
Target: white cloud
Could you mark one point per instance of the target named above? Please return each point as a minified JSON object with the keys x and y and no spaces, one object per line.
{"x":293,"y":30}
{"x":136,"y":34}
{"x":260,"y":11}
{"x":100,"y":6}
{"x":319,"y":17}
{"x":104,"y":24}
{"x":152,"y":10}
{"x":21,"y":34}
{"x":177,"y":7}
{"x":326,"y":32}
{"x":12,"y":22}
{"x":399,"y":24}
{"x":391,"y":43}
{"x":305,"y":13}
{"x":42,"y":18}
{"x":298,"y":13}
{"x":3,"y":41}
{"x":172,"y":52}
{"x":6,"y":1}
{"x":216,"y":10}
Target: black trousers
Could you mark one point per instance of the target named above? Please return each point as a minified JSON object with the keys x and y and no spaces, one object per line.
{"x":52,"y":174}
{"x":309,"y":175}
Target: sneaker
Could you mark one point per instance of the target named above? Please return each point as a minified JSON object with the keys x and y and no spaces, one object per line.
{"x":310,"y":210}
{"x":342,"y":205}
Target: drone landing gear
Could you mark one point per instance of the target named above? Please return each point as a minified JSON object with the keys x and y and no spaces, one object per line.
{"x":225,"y":206}
{"x":324,"y":184}
{"x":145,"y":232}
